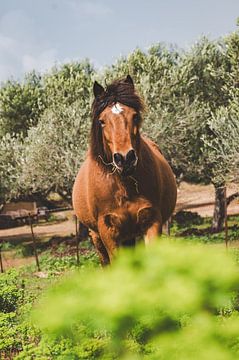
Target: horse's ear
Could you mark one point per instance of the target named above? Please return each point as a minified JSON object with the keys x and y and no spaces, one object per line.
{"x":145,"y":216}
{"x":98,"y":89}
{"x":111,"y":220}
{"x":129,"y":80}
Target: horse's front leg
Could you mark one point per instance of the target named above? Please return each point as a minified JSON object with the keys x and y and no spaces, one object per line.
{"x":154,"y":231}
{"x":100,"y":248}
{"x":111,"y":247}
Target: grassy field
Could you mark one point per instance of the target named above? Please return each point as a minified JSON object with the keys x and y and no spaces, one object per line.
{"x":23,"y":286}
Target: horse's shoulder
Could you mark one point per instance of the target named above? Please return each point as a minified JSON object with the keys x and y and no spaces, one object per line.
{"x":152,"y":145}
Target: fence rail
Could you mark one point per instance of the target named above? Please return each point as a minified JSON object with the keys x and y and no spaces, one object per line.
{"x":35,"y":217}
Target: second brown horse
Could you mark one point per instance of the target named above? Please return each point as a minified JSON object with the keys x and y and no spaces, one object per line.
{"x":124,"y":176}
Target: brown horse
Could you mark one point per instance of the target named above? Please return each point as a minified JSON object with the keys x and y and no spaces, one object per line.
{"x":125,"y":182}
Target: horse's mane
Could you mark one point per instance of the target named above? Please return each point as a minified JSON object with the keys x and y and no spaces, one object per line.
{"x":120,"y":91}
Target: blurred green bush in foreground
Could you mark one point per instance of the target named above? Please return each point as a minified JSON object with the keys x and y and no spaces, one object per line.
{"x":172,"y":301}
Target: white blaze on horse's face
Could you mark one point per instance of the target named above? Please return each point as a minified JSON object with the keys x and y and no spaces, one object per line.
{"x":120,"y":136}
{"x":117,"y":109}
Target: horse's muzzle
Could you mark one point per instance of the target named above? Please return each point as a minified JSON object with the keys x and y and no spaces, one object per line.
{"x":126,"y":164}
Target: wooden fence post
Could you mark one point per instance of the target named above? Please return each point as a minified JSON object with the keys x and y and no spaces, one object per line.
{"x":34,"y":243}
{"x":226,"y":218}
{"x":168,"y":225}
{"x":1,"y":264}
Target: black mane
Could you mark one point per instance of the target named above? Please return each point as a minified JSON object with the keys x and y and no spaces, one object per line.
{"x":121,"y":91}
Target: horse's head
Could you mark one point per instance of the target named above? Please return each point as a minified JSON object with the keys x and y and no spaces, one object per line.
{"x":115,"y":135}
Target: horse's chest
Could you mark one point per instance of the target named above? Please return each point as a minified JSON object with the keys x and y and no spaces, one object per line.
{"x":113,"y":194}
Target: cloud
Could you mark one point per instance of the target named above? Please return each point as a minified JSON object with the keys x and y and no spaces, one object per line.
{"x":90,"y":8}
{"x":20,"y":49}
{"x":9,"y":53}
{"x":6,"y":43}
{"x":44,"y":61}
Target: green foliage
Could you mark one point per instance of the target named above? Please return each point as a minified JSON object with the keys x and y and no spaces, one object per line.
{"x":190,"y":227}
{"x":201,"y":148}
{"x":19,"y":290}
{"x":181,"y":139}
{"x":221,"y":145}
{"x":176,"y":302}
{"x":170,"y":305}
{"x":197,"y":236}
{"x":21,"y":105}
{"x":67,"y":84}
{"x":11,"y":291}
{"x":203,"y":73}
{"x":232,"y":53}
{"x":55,"y":149}
{"x":61,"y":260}
{"x":57,"y":128}
{"x":188,"y":219}
{"x":15,"y":333}
{"x":15,"y":328}
{"x":11,"y":162}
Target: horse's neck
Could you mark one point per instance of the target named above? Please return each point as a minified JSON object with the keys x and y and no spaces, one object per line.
{"x":146,"y":159}
{"x":129,"y":187}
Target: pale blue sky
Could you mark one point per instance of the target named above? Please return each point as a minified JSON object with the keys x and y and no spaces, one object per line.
{"x":38,"y":34}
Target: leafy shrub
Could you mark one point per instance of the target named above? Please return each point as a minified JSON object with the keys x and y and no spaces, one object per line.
{"x":11,"y":159}
{"x":15,"y":305}
{"x":21,"y":104}
{"x":187,"y":219}
{"x":163,"y":303}
{"x":15,"y":332}
{"x":64,"y":258}
{"x":11,"y":291}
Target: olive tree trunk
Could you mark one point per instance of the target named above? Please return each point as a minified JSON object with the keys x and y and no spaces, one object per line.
{"x":219,"y":209}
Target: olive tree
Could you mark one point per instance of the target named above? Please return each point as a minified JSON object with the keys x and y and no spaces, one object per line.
{"x":55,"y":149}
{"x":11,"y":161}
{"x":67,"y":84}
{"x":21,"y":104}
{"x":204,"y":79}
{"x":221,"y":156}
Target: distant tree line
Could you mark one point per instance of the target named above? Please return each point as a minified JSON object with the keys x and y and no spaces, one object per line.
{"x":192,"y":112}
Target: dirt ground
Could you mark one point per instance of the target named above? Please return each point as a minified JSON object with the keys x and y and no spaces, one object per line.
{"x":197,"y":198}
{"x":200,"y":198}
{"x":63,"y":228}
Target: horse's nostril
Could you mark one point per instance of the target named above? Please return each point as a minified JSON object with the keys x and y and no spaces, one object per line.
{"x":118,"y":159}
{"x":131,"y":157}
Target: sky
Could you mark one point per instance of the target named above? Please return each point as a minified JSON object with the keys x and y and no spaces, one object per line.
{"x":40,"y":34}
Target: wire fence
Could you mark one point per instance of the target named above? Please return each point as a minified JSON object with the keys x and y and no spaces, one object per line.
{"x":31,"y":220}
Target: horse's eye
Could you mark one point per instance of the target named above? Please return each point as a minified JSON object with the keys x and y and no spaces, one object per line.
{"x":101,"y":122}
